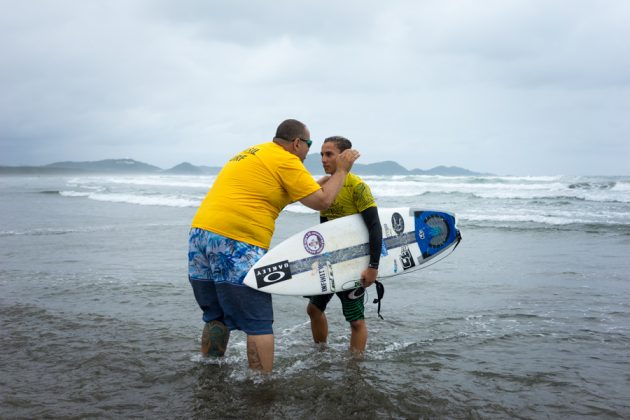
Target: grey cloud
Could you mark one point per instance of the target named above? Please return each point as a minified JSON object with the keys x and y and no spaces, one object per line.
{"x":462,"y":84}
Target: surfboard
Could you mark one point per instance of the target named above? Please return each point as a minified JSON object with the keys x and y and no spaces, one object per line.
{"x":329,"y":257}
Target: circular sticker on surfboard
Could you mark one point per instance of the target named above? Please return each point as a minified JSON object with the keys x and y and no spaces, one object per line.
{"x":313,"y":242}
{"x":398,"y":223}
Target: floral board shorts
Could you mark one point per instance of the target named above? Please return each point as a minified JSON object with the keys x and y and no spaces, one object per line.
{"x":216,"y":268}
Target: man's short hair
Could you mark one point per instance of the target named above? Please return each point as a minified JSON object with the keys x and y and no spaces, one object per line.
{"x":290,"y":129}
{"x":342,"y":143}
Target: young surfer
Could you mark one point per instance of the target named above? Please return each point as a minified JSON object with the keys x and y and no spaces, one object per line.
{"x":355,"y":197}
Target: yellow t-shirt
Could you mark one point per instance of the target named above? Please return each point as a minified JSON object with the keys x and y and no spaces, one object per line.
{"x":251,"y":190}
{"x":354,"y":197}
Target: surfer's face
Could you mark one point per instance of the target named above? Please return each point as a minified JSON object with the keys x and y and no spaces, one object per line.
{"x":329,"y":153}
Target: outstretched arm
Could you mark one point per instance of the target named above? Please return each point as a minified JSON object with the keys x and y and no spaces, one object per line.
{"x":324,"y":197}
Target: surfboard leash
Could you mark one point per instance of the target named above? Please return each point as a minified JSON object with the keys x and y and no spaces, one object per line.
{"x":380,"y":292}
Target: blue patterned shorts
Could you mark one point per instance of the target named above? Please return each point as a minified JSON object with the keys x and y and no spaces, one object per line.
{"x":220,"y":259}
{"x":216,"y":268}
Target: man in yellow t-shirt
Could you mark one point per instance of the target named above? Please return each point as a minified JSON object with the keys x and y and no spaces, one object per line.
{"x":355,"y":197}
{"x":232,"y":229}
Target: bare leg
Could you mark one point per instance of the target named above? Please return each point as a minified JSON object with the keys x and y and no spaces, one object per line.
{"x":358,"y":337}
{"x":260,"y":352}
{"x":319,"y":323}
{"x":214,"y":339}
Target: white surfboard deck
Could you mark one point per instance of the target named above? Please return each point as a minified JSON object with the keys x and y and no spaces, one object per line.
{"x":329,"y":257}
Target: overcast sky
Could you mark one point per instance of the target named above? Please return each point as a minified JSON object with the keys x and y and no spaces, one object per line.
{"x":519,"y":87}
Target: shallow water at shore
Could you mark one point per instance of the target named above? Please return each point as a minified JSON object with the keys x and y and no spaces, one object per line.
{"x":97,"y":320}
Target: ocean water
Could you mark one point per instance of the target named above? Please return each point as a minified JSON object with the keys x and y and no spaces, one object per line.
{"x":528,"y":318}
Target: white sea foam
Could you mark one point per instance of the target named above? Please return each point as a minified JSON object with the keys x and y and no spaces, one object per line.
{"x":556,"y":218}
{"x":147,"y":180}
{"x":55,"y":231}
{"x":163,"y":200}
{"x":75,"y":193}
{"x":533,"y":218}
{"x":526,"y":191}
{"x":553,"y":200}
{"x":622,"y":186}
{"x":145,"y":200}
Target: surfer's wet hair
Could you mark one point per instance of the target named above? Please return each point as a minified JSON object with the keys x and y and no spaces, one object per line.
{"x":290,"y":129}
{"x":342,"y":143}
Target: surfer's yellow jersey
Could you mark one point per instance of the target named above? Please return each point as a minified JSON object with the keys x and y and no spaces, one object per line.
{"x":251,"y":190}
{"x":354,"y":197}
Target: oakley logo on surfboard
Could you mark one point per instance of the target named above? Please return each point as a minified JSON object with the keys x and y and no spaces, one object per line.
{"x":273,"y":273}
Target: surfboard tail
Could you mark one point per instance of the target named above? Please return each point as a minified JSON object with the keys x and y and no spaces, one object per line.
{"x":435,"y":231}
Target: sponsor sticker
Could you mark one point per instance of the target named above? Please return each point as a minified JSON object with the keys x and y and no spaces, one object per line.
{"x":398,"y":223}
{"x":272,"y":274}
{"x":323,"y":277}
{"x":388,"y":231}
{"x":383,"y":249}
{"x":331,"y":276}
{"x":352,"y":284}
{"x":313,"y":242}
{"x":406,"y":258}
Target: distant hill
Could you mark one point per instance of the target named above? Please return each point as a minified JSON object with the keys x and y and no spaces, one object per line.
{"x":108,"y":165}
{"x":184,"y":168}
{"x":448,"y":171}
{"x":312,"y":163}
